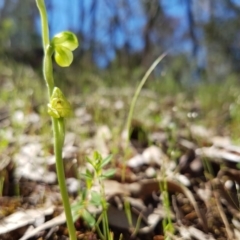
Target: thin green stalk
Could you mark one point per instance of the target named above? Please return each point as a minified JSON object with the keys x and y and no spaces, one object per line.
{"x":167,"y":221}
{"x":134,"y":100}
{"x":98,"y":228}
{"x":48,"y":70}
{"x":2,"y":179}
{"x":57,"y":123}
{"x":127,"y":206}
{"x":139,"y":88}
{"x":106,"y":230}
{"x":44,"y":23}
{"x":58,"y":144}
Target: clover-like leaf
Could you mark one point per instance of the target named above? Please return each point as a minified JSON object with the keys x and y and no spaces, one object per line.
{"x":64,"y":43}
{"x":95,"y":198}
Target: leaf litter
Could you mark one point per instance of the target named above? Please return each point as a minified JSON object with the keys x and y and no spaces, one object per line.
{"x":168,"y":146}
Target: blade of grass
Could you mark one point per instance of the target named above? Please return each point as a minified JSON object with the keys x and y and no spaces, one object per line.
{"x":134,"y":100}
{"x":127,"y":206}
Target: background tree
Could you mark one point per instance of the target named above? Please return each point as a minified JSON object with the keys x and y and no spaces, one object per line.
{"x":129,"y":34}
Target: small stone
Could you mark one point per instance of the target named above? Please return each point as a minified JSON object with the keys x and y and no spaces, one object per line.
{"x":150,"y":172}
{"x":153,"y":155}
{"x":136,"y":161}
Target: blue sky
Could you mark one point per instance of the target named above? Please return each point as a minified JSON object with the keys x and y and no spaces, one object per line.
{"x":65,"y":16}
{"x":60,"y":21}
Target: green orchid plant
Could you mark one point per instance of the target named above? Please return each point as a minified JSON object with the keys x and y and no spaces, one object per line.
{"x":59,"y":107}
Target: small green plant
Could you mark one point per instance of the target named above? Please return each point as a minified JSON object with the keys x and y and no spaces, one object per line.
{"x":61,"y":46}
{"x":167,"y":221}
{"x":89,"y":197}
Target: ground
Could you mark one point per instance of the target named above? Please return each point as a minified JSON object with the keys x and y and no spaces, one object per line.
{"x":177,"y":177}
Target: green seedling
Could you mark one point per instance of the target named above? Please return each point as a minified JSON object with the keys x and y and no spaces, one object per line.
{"x":61,"y":46}
{"x":88,"y":197}
{"x":167,"y":221}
